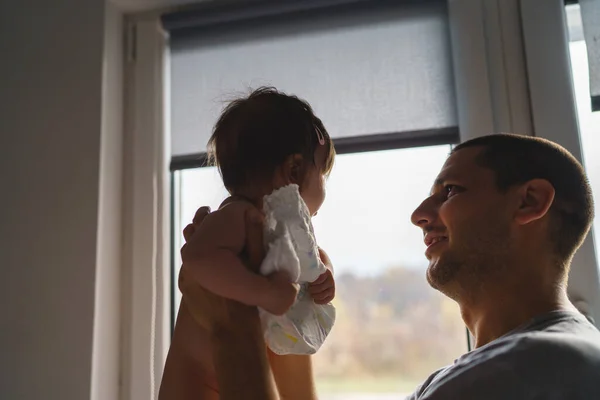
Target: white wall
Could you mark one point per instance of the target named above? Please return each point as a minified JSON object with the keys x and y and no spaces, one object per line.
{"x":51,"y":137}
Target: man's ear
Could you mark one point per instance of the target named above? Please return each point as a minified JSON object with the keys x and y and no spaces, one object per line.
{"x":535,"y":199}
{"x":292,"y":169}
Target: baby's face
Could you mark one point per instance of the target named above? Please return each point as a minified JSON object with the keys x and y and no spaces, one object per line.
{"x":312,"y":188}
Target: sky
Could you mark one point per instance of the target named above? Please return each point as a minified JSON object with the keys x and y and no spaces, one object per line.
{"x":364,"y":224}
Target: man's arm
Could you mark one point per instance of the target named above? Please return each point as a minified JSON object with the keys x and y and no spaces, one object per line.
{"x":239,"y":351}
{"x":240,"y":358}
{"x":293,"y":375}
{"x":240,"y":354}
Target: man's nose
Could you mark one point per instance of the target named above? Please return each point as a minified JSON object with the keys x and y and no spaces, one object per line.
{"x":425,"y":214}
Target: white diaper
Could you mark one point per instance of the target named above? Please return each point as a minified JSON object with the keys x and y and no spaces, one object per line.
{"x":291,"y":246}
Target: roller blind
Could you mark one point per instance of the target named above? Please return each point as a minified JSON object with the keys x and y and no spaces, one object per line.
{"x":378,"y":68}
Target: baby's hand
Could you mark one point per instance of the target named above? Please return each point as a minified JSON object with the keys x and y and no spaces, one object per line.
{"x":323,"y":289}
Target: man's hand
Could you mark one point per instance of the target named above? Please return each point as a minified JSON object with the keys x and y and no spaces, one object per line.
{"x":280,"y":292}
{"x":323,"y":289}
{"x":215,"y":313}
{"x":190,"y":229}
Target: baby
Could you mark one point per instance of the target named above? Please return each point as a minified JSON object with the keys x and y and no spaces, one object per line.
{"x":261,"y":143}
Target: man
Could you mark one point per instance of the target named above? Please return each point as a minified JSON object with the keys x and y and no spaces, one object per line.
{"x":504,"y":218}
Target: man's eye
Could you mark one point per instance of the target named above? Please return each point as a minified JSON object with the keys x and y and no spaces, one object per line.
{"x":450,"y":190}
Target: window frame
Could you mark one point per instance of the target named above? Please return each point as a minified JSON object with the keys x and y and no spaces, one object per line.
{"x":355,"y":144}
{"x":554,"y":116}
{"x":145,"y":337}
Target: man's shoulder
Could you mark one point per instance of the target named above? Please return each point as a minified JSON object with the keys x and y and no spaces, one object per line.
{"x":570,"y":338}
{"x":524,"y":365}
{"x":569,"y":351}
{"x":551,"y":352}
{"x":567,"y":336}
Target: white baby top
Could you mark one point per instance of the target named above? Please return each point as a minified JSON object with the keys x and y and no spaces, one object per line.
{"x":291,"y":246}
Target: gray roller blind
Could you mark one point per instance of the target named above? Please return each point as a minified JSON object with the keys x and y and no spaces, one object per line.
{"x":590,"y":16}
{"x":384,"y":70}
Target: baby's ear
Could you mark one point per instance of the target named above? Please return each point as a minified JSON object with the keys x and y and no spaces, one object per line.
{"x":292,"y":169}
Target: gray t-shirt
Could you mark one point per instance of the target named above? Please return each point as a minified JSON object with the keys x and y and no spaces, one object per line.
{"x":555,"y":356}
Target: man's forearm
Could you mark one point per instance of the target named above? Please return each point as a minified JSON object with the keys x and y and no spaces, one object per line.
{"x":240,"y":358}
{"x":293,"y":375}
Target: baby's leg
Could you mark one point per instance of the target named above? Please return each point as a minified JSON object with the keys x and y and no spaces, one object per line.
{"x":293,"y":376}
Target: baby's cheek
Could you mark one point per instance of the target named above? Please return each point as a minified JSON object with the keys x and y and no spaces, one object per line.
{"x":317,"y":201}
{"x":323,"y":189}
{"x":313,"y":206}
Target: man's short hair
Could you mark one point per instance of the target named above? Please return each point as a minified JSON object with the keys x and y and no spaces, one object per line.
{"x":517,"y":159}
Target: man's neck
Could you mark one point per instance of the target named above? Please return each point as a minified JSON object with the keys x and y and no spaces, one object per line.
{"x":499,"y":312}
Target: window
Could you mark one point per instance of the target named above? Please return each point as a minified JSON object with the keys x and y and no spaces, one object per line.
{"x":380,"y":77}
{"x":589,"y":121}
{"x":392,"y":329}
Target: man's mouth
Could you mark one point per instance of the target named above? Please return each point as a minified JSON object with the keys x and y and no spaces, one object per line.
{"x":432,"y":243}
{"x":430,"y":240}
{"x":437,"y":240}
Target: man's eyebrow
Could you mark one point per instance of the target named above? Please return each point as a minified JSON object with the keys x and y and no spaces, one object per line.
{"x":440,"y":180}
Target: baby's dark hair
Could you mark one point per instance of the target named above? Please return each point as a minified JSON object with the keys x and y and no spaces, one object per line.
{"x":256,"y":134}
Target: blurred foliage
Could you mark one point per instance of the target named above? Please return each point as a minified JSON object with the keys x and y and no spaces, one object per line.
{"x":390,"y":326}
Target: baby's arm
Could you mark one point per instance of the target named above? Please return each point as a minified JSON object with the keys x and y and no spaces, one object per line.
{"x":212,"y":258}
{"x":325,"y":259}
{"x":323,"y":289}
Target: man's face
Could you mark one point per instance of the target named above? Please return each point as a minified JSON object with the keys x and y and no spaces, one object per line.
{"x":466,"y":223}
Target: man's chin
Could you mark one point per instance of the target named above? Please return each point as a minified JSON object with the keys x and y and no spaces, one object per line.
{"x":440,"y":273}
{"x":433,"y":281}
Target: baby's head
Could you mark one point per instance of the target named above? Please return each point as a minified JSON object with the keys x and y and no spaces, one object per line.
{"x":268,"y":140}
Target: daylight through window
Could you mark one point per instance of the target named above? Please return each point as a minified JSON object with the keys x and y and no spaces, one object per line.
{"x":392,"y":328}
